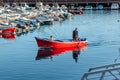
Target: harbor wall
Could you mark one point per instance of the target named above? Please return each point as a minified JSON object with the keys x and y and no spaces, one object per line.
{"x":94,"y":3}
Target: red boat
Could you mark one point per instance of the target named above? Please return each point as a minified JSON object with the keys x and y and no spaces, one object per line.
{"x":43,"y":53}
{"x":7,"y":30}
{"x":8,"y":36}
{"x":60,"y":44}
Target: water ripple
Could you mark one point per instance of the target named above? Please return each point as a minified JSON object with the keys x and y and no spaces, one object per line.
{"x":102,"y":43}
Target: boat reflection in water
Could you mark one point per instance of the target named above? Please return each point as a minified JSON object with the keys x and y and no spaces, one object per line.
{"x":7,"y":36}
{"x":49,"y":53}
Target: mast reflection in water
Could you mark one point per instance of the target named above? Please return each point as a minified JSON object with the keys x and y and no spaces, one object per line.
{"x":49,"y":53}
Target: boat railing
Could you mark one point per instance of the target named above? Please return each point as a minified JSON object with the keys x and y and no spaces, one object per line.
{"x":101,"y":72}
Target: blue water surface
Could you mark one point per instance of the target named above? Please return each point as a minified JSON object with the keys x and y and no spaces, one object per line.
{"x":102,"y":30}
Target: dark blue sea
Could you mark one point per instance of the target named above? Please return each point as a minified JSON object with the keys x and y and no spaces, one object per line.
{"x":100,"y":27}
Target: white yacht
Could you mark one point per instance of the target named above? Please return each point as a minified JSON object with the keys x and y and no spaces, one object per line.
{"x":114,"y":6}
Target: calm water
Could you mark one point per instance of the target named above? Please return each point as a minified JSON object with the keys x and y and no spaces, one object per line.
{"x":101,"y":28}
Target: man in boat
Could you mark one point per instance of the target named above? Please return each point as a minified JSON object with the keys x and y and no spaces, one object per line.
{"x":75,"y":34}
{"x":51,"y":38}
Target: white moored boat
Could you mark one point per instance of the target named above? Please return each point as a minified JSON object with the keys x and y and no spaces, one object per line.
{"x":114,"y":6}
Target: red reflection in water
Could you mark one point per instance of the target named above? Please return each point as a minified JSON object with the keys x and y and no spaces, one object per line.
{"x":44,"y":53}
{"x":8,"y":36}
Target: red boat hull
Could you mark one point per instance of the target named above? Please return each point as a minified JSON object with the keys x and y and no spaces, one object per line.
{"x":58,"y":44}
{"x":8,"y":36}
{"x":8,"y":30}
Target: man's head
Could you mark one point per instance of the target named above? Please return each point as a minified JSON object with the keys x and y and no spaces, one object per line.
{"x":75,"y":28}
